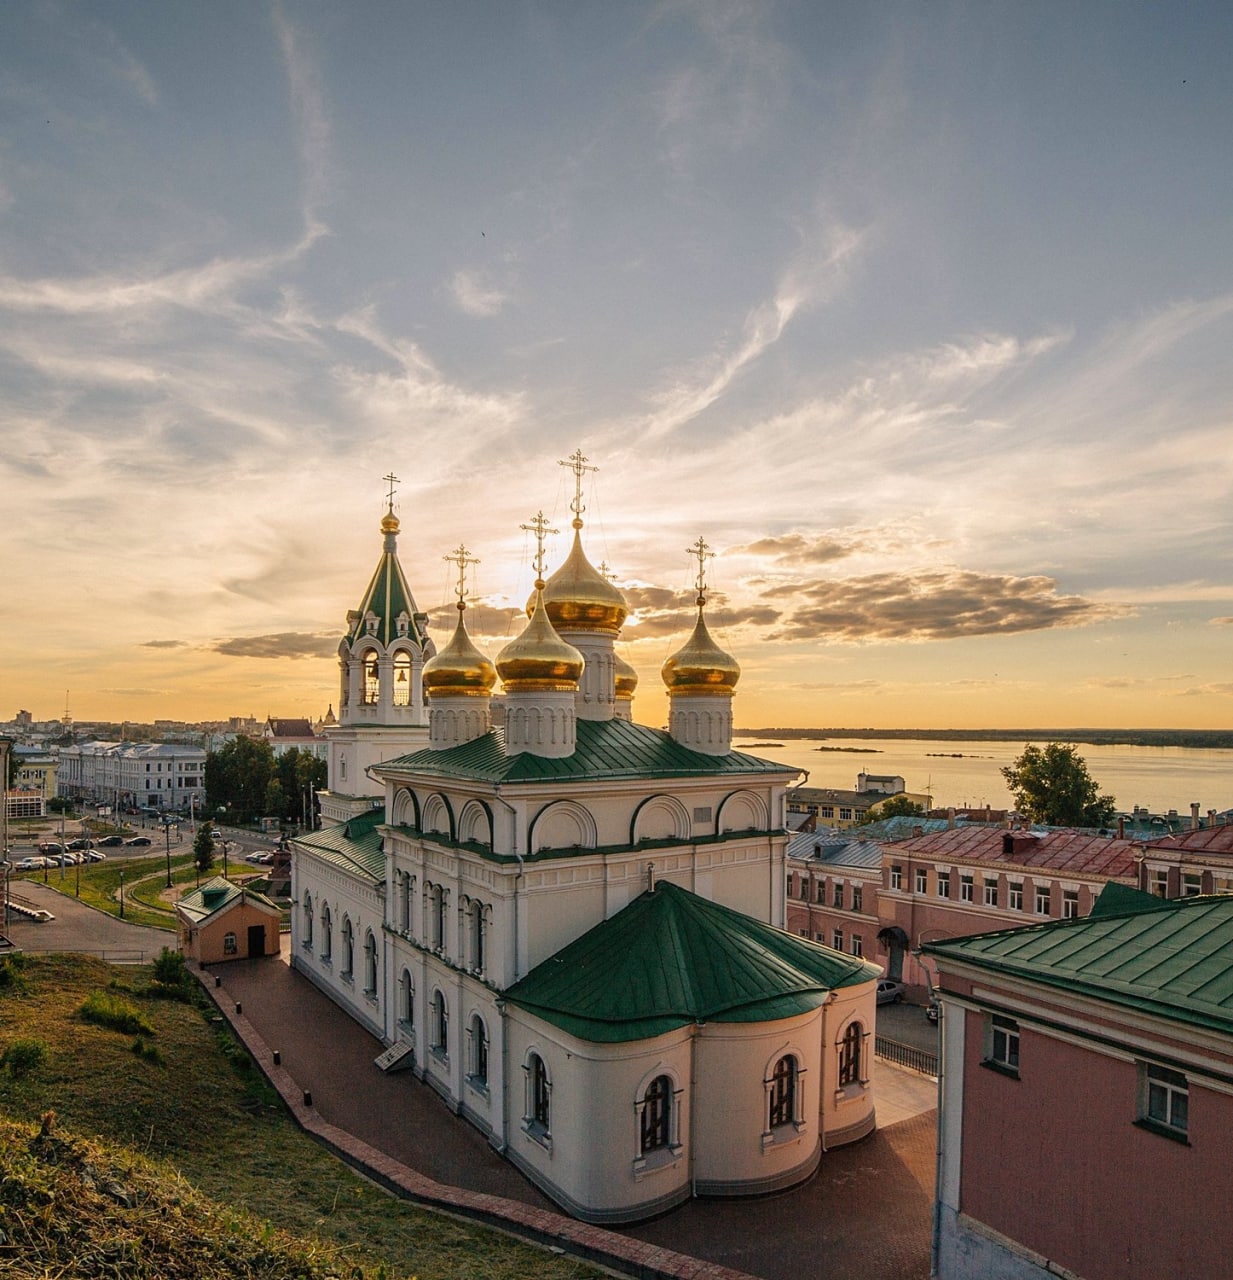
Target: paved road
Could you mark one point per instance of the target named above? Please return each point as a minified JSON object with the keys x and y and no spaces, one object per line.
{"x":80,"y":928}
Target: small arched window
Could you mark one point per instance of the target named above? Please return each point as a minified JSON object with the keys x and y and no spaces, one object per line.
{"x":327,"y":934}
{"x":402,"y":678}
{"x":479,"y":937}
{"x":783,"y":1092}
{"x":850,"y":1054}
{"x":370,"y":964}
{"x":478,"y":1066}
{"x":440,"y":1024}
{"x":539,"y":1095}
{"x":370,"y":668}
{"x":348,"y":946}
{"x":656,"y":1117}
{"x":406,"y":998}
{"x":307,"y":940}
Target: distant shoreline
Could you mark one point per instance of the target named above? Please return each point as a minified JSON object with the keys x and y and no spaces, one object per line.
{"x":1199,"y":739}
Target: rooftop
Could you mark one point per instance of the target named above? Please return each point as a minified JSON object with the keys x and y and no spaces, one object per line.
{"x":1069,"y":852}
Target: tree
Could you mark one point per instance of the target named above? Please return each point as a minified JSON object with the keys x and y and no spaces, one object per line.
{"x":1051,"y":784}
{"x":237,"y":775}
{"x":894,"y":807}
{"x":203,"y":848}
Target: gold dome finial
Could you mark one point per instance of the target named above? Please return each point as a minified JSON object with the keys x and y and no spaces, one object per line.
{"x":700,"y":666}
{"x":389,"y":522}
{"x":460,"y":668}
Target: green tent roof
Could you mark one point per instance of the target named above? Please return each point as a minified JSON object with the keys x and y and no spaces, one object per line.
{"x":354,"y":845}
{"x":671,"y":958}
{"x":215,"y":894}
{"x":387,"y":596}
{"x":605,"y":749}
{"x":1172,"y":960}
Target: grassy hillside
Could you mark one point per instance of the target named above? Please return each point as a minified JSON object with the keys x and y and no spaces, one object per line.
{"x":137,"y":1139}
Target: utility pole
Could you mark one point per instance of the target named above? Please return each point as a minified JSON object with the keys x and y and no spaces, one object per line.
{"x":167,"y":838}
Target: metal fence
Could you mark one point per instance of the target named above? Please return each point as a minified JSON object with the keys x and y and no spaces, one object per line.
{"x":906,"y":1055}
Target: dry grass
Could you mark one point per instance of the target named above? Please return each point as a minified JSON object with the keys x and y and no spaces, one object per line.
{"x":206,"y":1150}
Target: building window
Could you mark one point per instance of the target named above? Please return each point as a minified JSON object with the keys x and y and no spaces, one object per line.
{"x":858,"y":897}
{"x":478,"y":929}
{"x":478,"y":1066}
{"x":782,"y":1092}
{"x":804,"y":889}
{"x":229,"y":944}
{"x":307,"y":916}
{"x":1014,"y":895}
{"x":402,"y":678}
{"x":327,"y":935}
{"x":1164,"y":1100}
{"x":943,"y":884}
{"x":1043,"y":900}
{"x":837,"y":940}
{"x":1160,"y":884}
{"x":991,"y":893}
{"x":370,"y":666}
{"x":858,"y":945}
{"x":896,"y":874}
{"x":1070,"y":904}
{"x":1192,"y":884}
{"x":845,"y":815}
{"x":965,"y":888}
{"x":440,"y":1025}
{"x":850,"y":1055}
{"x":436,"y":907}
{"x":348,"y":946}
{"x":1002,"y":1050}
{"x":405,"y":883}
{"x":922,"y":879}
{"x":838,"y":898}
{"x":406,"y":998}
{"x":828,"y":810}
{"x":539,"y":1096}
{"x":370,"y":965}
{"x":655,"y":1118}
{"x":821,"y":892}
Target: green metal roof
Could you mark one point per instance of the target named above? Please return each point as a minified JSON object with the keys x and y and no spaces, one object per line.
{"x":1173,"y":960}
{"x":605,"y":749}
{"x":671,"y":958}
{"x":354,"y":845}
{"x":215,"y":894}
{"x":387,"y":596}
{"x":1118,"y":899}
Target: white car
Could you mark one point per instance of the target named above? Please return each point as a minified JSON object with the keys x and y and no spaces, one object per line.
{"x":31,"y":864}
{"x":890,"y":991}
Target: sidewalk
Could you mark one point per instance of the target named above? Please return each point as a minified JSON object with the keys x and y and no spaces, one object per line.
{"x":865,"y":1215}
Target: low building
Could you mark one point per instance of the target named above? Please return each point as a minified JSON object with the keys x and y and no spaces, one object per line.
{"x":223,"y":921}
{"x":1184,"y":865}
{"x":1087,"y":1097}
{"x":285,"y":735}
{"x":973,"y":879}
{"x":838,"y":809}
{"x":832,"y":894}
{"x":147,"y":775}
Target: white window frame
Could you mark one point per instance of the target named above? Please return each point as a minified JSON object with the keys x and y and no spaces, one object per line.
{"x":1002,"y":1044}
{"x":1164,"y":1101}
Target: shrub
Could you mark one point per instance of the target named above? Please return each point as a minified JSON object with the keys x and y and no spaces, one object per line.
{"x":23,"y":1055}
{"x":10,"y":972}
{"x":147,"y":1052}
{"x":115,"y":1014}
{"x":170,"y":968}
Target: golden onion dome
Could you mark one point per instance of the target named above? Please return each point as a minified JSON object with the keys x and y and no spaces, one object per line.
{"x":626,"y":678}
{"x":389,"y":523}
{"x":539,"y":658}
{"x":579,"y":598}
{"x":460,"y":668}
{"x":700,"y":666}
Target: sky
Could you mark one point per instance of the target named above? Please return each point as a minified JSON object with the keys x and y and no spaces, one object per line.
{"x":921,"y":315}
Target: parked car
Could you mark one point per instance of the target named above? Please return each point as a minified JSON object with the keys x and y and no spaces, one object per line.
{"x":259,"y":856}
{"x":110,"y":842}
{"x":95,"y":855}
{"x":51,"y":846}
{"x":30,"y":864}
{"x":216,"y":834}
{"x":81,"y":843}
{"x":136,"y":840}
{"x":890,"y":991}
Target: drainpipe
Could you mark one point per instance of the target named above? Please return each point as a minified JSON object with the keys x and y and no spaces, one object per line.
{"x":693,"y":1097}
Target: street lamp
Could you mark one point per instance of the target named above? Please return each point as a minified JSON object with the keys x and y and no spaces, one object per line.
{"x":121,"y":893}
{"x":167,"y":837}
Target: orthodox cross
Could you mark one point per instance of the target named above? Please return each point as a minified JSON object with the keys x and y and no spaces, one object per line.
{"x":461,"y":559}
{"x":577,"y":464}
{"x":539,"y":527}
{"x":702,"y":553}
{"x":391,"y":480}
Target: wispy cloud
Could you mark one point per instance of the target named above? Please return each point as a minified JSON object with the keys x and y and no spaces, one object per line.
{"x":309,"y":112}
{"x":473,"y":294}
{"x":284,"y":644}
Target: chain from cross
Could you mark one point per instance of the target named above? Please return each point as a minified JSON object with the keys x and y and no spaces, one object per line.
{"x":391,"y":480}
{"x":461,"y":559}
{"x":702,"y":553}
{"x":577,"y":464}
{"x":539,"y":527}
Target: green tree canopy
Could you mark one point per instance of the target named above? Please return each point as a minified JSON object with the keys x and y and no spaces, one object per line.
{"x":1051,"y":784}
{"x":203,"y":848}
{"x":237,"y":776}
{"x":892,"y":807}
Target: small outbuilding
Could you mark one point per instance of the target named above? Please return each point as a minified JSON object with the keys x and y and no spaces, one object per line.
{"x":224,"y":921}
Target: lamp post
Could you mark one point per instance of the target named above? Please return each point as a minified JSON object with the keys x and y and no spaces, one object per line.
{"x":121,"y":893}
{"x":167,"y":838}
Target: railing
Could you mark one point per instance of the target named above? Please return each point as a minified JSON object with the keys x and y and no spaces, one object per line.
{"x":112,"y":957}
{"x":906,"y":1055}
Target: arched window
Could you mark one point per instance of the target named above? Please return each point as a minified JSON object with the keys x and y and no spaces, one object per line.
{"x":307,"y":940}
{"x":478,"y":1066}
{"x":402,"y":678}
{"x":539,"y":1095}
{"x":370,"y":964}
{"x":405,"y":888}
{"x":440,"y":1024}
{"x":783,"y":1092}
{"x":406,"y":998}
{"x":327,"y":934}
{"x":850,"y":1054}
{"x":436,"y":905}
{"x":478,"y":929}
{"x":656,"y":1117}
{"x":370,"y":668}
{"x":348,"y":946}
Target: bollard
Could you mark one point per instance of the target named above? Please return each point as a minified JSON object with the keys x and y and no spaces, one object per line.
{"x":239,"y":1008}
{"x":278,"y":1058}
{"x":308,"y":1098}
{"x":218,"y":979}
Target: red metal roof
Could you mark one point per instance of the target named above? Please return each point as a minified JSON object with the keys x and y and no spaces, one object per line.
{"x":1208,"y":840}
{"x":1073,"y":852}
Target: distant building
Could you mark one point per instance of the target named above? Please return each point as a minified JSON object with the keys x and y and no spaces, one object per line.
{"x":1087,"y":1095}
{"x":149,"y":775}
{"x":839,"y":810}
{"x":285,"y":735}
{"x":1190,"y":863}
{"x":832,"y":896}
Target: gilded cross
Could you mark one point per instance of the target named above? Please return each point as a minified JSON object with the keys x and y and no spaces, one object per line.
{"x":702,"y":553}
{"x":461,"y":559}
{"x":391,"y":480}
{"x":577,"y":464}
{"x":539,"y":527}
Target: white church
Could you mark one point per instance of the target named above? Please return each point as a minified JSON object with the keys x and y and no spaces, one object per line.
{"x":570,"y":925}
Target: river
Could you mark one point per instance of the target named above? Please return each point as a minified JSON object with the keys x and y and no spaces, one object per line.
{"x":969,"y":773}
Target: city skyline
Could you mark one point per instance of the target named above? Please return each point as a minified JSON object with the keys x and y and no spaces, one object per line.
{"x":921,"y":318}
